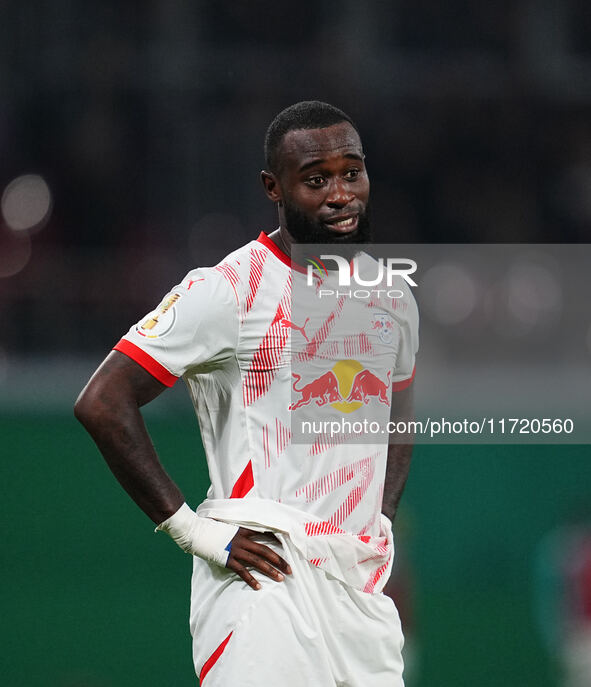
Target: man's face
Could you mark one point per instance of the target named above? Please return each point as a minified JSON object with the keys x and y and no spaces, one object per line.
{"x":324,"y":185}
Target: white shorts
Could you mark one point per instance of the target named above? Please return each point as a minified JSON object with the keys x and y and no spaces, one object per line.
{"x":310,"y":630}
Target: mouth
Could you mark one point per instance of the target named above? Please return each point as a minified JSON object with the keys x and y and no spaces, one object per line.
{"x":343,"y":225}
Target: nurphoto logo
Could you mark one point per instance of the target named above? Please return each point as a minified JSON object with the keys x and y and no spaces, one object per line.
{"x":386,"y":271}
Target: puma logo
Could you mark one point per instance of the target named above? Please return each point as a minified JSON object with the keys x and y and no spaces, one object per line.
{"x":287,"y":323}
{"x":193,"y":281}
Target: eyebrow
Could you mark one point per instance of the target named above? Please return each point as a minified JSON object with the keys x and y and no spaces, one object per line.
{"x":320,"y":160}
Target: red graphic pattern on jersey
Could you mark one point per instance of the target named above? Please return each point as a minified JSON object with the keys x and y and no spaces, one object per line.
{"x":283,"y":434}
{"x":366,"y":467}
{"x":265,"y":361}
{"x":330,"y":351}
{"x":212,"y":660}
{"x":257,"y":262}
{"x":378,"y":509}
{"x":381,"y":551}
{"x":266,"y":450}
{"x":366,"y":527}
{"x":326,"y":441}
{"x":373,"y":580}
{"x":230,"y":273}
{"x":372,"y":304}
{"x":311,"y":349}
{"x":335,"y":479}
{"x":244,"y":483}
{"x":282,"y":439}
{"x":357,"y":344}
{"x":316,"y":529}
{"x":329,"y":483}
{"x":318,"y":562}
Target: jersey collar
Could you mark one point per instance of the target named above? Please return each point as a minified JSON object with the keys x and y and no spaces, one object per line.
{"x":274,"y":248}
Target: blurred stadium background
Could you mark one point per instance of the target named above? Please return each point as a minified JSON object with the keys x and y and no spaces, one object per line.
{"x":130,"y":145}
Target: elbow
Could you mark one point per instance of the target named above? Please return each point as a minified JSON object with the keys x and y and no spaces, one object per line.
{"x":108,"y":398}
{"x":84,"y":407}
{"x":92,"y":406}
{"x":102,"y":404}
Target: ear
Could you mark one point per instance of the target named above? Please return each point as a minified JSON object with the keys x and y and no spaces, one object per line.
{"x":271,"y":185}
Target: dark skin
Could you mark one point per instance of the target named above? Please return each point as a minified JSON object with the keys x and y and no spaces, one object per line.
{"x":323,"y":175}
{"x":399,"y":453}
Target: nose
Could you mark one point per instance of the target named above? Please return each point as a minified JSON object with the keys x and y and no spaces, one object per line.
{"x":339,"y":194}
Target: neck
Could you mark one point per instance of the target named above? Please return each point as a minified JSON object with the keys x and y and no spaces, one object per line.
{"x":282,"y":239}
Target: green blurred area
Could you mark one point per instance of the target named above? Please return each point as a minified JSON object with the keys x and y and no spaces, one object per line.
{"x":91,"y":597}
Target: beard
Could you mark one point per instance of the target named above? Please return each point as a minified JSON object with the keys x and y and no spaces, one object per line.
{"x":306,"y":230}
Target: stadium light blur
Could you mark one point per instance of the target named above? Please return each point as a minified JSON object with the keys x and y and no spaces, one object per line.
{"x":26,"y":203}
{"x":534,"y":294}
{"x":449,"y":293}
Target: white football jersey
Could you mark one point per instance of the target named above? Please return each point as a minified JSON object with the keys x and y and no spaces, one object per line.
{"x":257,"y":368}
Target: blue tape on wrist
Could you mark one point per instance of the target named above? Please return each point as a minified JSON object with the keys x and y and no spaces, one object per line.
{"x":229,"y":547}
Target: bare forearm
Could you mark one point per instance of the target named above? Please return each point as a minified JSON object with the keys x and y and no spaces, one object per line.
{"x":399,"y":456}
{"x":128,"y":451}
{"x":109,"y":410}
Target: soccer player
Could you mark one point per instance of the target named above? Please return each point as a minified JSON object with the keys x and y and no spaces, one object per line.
{"x":293,"y":545}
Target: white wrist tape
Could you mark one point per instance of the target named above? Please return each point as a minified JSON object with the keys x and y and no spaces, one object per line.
{"x":203,"y":537}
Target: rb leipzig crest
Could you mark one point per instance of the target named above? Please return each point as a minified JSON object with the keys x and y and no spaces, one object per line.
{"x":384,"y":326}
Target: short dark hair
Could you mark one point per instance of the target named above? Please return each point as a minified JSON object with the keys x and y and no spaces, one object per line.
{"x":308,"y":114}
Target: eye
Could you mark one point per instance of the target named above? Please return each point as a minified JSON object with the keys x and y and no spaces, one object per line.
{"x":315,"y":181}
{"x":352,"y":174}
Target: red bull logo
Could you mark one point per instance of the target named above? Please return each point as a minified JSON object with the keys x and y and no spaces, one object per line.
{"x":346,"y":387}
{"x":366,"y":385}
{"x":323,"y":390}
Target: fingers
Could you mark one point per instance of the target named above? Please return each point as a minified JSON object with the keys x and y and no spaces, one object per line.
{"x":266,"y":553}
{"x":244,"y":574}
{"x":244,"y":540}
{"x":245,"y":552}
{"x":247,"y":558}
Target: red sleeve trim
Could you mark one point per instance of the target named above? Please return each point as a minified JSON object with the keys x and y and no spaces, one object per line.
{"x":146,"y":361}
{"x":405,"y":383}
{"x":211,"y":661}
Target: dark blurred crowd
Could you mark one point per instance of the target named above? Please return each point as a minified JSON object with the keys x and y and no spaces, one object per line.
{"x":146,"y":121}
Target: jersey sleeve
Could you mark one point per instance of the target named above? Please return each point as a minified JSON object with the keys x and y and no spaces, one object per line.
{"x":404,"y":371}
{"x":195,"y":326}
